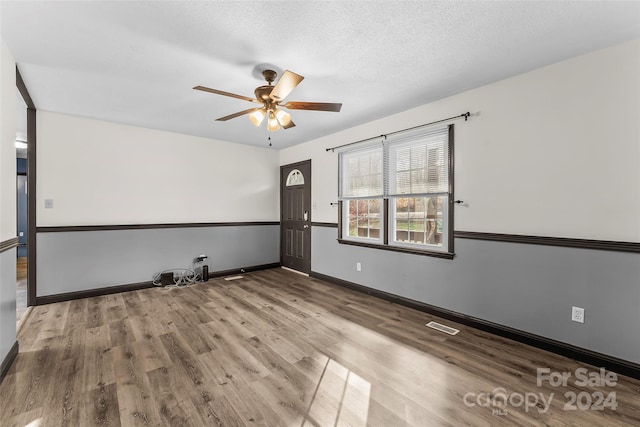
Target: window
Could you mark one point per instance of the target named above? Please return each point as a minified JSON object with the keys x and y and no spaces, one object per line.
{"x":396,"y":193}
{"x":361,"y":190}
{"x":295,"y":178}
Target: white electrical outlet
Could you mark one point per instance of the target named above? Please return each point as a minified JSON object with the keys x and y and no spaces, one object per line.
{"x":577,"y":314}
{"x":358,"y":266}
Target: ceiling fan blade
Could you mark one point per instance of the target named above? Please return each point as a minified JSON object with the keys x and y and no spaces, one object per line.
{"x":289,"y":125}
{"x":287,"y":83}
{"x":318,"y":106}
{"x":238,"y":114}
{"x":220,"y":92}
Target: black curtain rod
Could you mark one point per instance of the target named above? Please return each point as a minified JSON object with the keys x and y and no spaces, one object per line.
{"x":465,"y":115}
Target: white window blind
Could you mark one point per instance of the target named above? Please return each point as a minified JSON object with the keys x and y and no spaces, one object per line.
{"x":361,"y":172}
{"x":418,"y":163}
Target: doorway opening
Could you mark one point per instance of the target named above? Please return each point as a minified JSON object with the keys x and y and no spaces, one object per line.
{"x":21,"y":207}
{"x":26,"y":134}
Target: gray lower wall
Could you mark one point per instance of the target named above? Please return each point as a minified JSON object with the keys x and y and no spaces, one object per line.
{"x":7,"y":301}
{"x":528,"y":287}
{"x":84,"y":260}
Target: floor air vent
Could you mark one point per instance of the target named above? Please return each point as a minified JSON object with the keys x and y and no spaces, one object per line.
{"x":233,"y":278}
{"x":443,"y":328}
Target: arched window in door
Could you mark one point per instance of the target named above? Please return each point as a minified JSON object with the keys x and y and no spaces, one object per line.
{"x":295,"y":178}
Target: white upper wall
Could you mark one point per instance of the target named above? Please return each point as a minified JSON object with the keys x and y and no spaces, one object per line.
{"x":99,"y":173}
{"x":7,"y":144}
{"x":553,"y":152}
{"x":7,"y":198}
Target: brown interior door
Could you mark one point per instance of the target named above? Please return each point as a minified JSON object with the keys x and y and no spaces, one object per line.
{"x":295,"y":216}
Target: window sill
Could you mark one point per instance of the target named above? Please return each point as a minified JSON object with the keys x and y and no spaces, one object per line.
{"x":444,"y":255}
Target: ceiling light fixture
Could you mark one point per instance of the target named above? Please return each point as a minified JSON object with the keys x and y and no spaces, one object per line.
{"x":283,"y":117}
{"x":277,"y":118}
{"x":257,"y":117}
{"x":272,"y":123}
{"x":271,"y":97}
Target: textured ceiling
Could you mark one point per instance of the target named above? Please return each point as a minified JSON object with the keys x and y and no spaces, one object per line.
{"x":136,"y":62}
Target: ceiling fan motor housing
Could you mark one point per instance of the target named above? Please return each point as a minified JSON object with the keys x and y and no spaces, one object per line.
{"x":269,"y":76}
{"x":263,"y":94}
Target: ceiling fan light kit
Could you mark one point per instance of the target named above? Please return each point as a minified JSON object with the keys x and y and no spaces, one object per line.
{"x":272,"y":124}
{"x":283,"y":117}
{"x":257,"y":117}
{"x":270,"y":97}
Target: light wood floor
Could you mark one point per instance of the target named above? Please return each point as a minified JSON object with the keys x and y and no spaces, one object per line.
{"x":21,"y":287}
{"x":276,"y":349}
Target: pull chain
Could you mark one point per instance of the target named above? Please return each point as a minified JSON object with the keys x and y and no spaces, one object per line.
{"x":269,"y":140}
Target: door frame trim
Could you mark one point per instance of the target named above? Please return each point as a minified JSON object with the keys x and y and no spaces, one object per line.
{"x":290,"y":165}
{"x":31,"y":189}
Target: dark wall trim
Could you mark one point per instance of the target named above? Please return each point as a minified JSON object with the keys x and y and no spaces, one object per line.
{"x":89,"y":293}
{"x":577,"y":353}
{"x":66,"y":229}
{"x":68,"y":296}
{"x":325,"y":224}
{"x":22,"y":88}
{"x":8,"y":244}
{"x":296,"y":164}
{"x":8,"y":360}
{"x":444,"y":255}
{"x":605,"y":245}
{"x":223,"y":273}
{"x":31,"y":207}
{"x":552,"y":241}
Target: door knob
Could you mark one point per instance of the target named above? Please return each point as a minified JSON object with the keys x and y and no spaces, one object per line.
{"x":306,"y":226}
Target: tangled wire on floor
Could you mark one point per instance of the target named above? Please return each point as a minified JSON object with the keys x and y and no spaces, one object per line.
{"x":181,"y":277}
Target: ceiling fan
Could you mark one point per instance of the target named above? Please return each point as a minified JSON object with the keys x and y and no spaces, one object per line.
{"x":271,"y":97}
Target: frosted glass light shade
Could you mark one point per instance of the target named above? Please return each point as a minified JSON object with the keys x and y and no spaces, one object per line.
{"x":283,"y":117}
{"x":257,"y":117}
{"x":272,"y":123}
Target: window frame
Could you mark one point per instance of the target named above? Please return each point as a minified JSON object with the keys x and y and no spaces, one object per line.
{"x":420,"y":246}
{"x":371,"y":240}
{"x":387,"y":238}
{"x":355,"y":193}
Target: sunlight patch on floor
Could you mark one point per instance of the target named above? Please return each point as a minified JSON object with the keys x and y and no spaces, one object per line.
{"x":341,"y":398}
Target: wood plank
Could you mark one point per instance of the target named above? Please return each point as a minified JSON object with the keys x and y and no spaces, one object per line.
{"x":76,"y":315}
{"x":54,"y":323}
{"x":35,"y":378}
{"x":64,"y":408}
{"x":133,"y":390}
{"x":151,"y":354}
{"x":98,"y":357}
{"x":101,"y":407}
{"x":121,"y":331}
{"x":173,"y":411}
{"x":95,"y":315}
